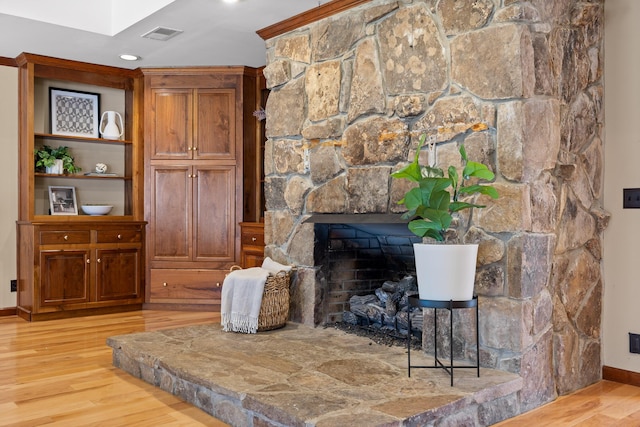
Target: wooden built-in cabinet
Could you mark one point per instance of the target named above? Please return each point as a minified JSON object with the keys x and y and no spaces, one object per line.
{"x":198,"y":124}
{"x":79,"y":264}
{"x":252,"y":251}
{"x":80,"y":267}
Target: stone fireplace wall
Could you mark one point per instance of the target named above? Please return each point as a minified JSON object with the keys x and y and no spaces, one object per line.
{"x":350,"y":95}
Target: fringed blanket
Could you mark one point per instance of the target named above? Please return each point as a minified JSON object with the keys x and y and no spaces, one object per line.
{"x":241,"y":299}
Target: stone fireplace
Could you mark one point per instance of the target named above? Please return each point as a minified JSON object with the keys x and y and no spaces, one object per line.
{"x":350,"y":94}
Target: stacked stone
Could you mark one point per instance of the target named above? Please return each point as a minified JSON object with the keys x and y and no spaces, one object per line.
{"x":354,"y":91}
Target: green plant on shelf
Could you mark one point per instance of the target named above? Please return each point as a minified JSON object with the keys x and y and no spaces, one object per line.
{"x":47,"y":155}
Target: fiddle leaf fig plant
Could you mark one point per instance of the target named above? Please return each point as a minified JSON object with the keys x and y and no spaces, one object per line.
{"x":46,"y":156}
{"x":431,"y":204}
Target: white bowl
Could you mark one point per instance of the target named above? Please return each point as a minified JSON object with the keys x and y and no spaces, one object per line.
{"x":96,"y":209}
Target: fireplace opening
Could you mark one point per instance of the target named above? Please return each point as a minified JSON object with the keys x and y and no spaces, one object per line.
{"x":366,"y":270}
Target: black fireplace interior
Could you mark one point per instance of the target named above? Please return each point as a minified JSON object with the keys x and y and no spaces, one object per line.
{"x":367,"y":271}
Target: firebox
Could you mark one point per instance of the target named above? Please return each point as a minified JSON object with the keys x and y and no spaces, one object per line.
{"x":356,"y":254}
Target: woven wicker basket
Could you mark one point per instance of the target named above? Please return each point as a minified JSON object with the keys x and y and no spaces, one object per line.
{"x":274,"y":310}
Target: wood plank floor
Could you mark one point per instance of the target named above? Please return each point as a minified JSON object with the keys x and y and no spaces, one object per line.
{"x":604,"y":404}
{"x":59,"y":373}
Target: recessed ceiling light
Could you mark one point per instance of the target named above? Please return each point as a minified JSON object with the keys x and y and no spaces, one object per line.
{"x":230,"y":1}
{"x":129,"y":57}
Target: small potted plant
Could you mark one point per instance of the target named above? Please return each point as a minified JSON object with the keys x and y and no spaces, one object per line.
{"x":430,"y":207}
{"x":55,"y":160}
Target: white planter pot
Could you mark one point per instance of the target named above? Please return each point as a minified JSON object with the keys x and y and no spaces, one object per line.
{"x":57,"y":167}
{"x":445,"y":272}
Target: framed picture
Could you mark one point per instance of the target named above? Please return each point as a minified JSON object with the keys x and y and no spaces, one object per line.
{"x":74,"y":113}
{"x":62,"y":201}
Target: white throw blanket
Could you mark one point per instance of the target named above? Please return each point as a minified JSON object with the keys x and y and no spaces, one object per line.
{"x":241,"y":299}
{"x":274,"y":266}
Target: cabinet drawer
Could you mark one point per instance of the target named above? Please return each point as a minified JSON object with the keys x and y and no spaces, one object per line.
{"x":64,"y":237}
{"x":119,"y":236}
{"x":186,"y":286}
{"x":252,"y":238}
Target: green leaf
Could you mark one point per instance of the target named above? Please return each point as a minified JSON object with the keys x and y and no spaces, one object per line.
{"x":411,"y":172}
{"x":441,"y":218}
{"x":453,"y":176}
{"x":412,"y":199}
{"x":463,"y":153}
{"x":458,"y":206}
{"x":438,"y":200}
{"x":434,"y":184}
{"x":480,"y":189}
{"x":422,"y":228}
{"x":477,"y":170}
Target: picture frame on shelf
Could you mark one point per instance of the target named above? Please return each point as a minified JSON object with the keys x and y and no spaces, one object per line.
{"x":62,"y":200}
{"x":74,"y":113}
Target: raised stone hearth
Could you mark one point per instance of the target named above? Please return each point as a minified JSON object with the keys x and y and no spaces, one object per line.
{"x":302,"y":376}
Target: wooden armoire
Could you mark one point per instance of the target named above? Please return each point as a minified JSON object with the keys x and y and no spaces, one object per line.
{"x":200,"y":139}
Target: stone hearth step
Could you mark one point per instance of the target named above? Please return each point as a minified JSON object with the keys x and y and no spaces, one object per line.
{"x":302,"y":376}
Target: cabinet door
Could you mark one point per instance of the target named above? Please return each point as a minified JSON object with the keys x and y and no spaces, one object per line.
{"x":251,"y":257}
{"x":64,"y":277}
{"x":170,"y":123}
{"x":214,"y":219}
{"x":117,"y":273}
{"x":215,"y":124}
{"x":171,"y":213}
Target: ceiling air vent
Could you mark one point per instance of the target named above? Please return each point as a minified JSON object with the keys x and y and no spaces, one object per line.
{"x":161,"y":33}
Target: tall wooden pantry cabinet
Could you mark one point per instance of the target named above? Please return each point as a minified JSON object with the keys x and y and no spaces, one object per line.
{"x":198,"y":123}
{"x":70,"y":263}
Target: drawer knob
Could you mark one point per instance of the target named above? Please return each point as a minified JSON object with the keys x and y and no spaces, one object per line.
{"x":98,"y":260}
{"x":253,"y":239}
{"x":119,"y":236}
{"x":88,"y":261}
{"x":218,"y":285}
{"x":66,"y":237}
{"x":164,"y":284}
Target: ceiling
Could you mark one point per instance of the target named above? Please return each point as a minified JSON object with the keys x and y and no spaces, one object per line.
{"x":214,"y":31}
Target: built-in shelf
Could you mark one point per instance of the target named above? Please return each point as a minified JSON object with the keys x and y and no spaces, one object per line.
{"x":81,"y":139}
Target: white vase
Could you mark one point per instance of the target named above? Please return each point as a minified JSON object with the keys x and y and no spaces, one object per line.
{"x":56,"y":169}
{"x":108,"y":125}
{"x":445,"y":272}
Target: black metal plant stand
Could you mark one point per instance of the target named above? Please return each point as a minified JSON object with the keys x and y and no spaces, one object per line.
{"x":415,"y":301}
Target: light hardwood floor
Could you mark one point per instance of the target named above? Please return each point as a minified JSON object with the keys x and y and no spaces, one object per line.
{"x":59,"y":373}
{"x":604,"y":404}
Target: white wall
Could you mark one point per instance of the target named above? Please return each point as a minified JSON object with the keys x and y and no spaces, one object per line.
{"x":622,"y":159}
{"x":9,"y":181}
